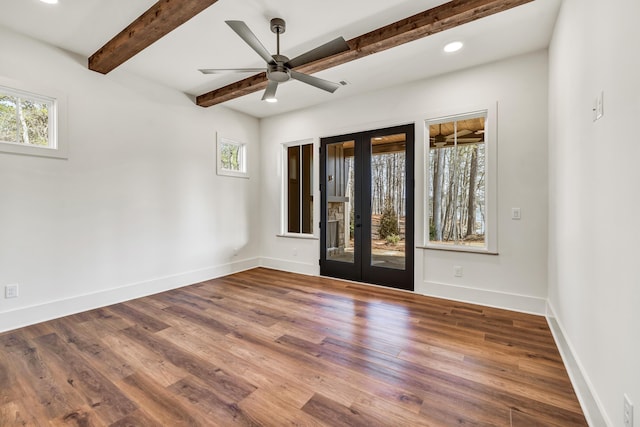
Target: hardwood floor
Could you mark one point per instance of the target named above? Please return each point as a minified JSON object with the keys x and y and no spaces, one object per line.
{"x":267,"y":348}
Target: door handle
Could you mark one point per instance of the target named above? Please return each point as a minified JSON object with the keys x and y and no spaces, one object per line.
{"x":358,"y":225}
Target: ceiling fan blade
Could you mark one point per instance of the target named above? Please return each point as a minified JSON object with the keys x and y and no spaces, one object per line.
{"x":230,"y":70}
{"x":331,"y":48}
{"x":463,"y":140}
{"x":270,"y":91}
{"x":460,"y":133}
{"x":315,"y":81}
{"x":249,"y":38}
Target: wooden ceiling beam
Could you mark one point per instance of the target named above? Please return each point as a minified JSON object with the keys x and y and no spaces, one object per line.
{"x":159,"y":20}
{"x":444,"y":17}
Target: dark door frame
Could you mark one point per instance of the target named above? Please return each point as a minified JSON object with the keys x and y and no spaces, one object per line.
{"x":361,"y":269}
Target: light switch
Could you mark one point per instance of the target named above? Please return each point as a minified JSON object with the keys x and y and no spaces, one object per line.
{"x":598,"y":106}
{"x":515,"y":213}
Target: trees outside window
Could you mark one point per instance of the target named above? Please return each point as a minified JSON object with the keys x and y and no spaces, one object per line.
{"x":232,"y":158}
{"x":26,"y":118}
{"x":457,"y":181}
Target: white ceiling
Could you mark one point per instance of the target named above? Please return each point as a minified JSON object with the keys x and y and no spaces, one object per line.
{"x":83,"y":26}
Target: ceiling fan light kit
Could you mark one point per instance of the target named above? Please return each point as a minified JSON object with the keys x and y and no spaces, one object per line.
{"x":280,"y":68}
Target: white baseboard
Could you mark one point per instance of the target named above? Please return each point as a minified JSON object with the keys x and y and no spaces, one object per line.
{"x":591,"y":405}
{"x":308,"y":269}
{"x":30,"y":315}
{"x":504,"y":300}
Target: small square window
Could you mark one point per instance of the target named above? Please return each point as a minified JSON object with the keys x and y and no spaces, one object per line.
{"x":232,"y":158}
{"x":29,"y":122}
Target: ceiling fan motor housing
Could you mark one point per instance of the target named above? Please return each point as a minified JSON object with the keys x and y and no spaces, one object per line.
{"x":278,"y":25}
{"x":278,"y":72}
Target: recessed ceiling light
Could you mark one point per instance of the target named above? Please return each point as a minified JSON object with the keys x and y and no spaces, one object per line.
{"x":272,"y":100}
{"x":453,"y":47}
{"x":49,"y":1}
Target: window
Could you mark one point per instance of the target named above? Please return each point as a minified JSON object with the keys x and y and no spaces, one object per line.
{"x":298,"y":173}
{"x":232,"y":158}
{"x":29,"y":122}
{"x":458,"y":174}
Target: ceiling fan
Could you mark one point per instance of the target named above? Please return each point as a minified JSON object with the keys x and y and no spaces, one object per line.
{"x":279,"y":67}
{"x":441,"y":140}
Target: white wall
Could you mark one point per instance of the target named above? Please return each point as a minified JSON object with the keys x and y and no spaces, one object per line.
{"x":135,"y":209}
{"x":517,"y":277}
{"x":594,"y":196}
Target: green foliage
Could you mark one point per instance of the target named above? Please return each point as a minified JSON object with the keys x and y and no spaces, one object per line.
{"x":388,"y":222}
{"x":36,"y":117}
{"x":230,"y":156}
{"x":351,"y":224}
{"x":24,"y":121}
{"x":8,"y":119}
{"x":392,"y":239}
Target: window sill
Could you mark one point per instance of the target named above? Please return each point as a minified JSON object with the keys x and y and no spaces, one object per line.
{"x":234,"y":174}
{"x":32,"y":150}
{"x":459,"y":249}
{"x":298,"y":236}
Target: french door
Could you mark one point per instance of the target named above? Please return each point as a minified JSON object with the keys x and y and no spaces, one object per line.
{"x":367,"y":206}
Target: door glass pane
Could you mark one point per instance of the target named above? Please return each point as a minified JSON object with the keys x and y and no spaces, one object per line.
{"x":388,"y":201}
{"x":339,"y":209}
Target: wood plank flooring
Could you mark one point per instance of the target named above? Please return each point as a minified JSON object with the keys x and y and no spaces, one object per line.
{"x":267,"y":348}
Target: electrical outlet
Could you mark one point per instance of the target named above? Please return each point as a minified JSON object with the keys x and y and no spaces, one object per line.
{"x":457,"y":270}
{"x":628,"y":412}
{"x":11,"y":291}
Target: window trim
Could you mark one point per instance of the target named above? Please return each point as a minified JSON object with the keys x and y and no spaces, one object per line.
{"x":491,"y":172}
{"x":242,"y":154}
{"x":58,"y":143}
{"x":283,"y":171}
